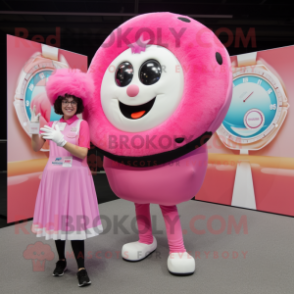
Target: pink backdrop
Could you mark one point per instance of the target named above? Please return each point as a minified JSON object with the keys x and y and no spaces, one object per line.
{"x":25,"y":166}
{"x":273,"y":182}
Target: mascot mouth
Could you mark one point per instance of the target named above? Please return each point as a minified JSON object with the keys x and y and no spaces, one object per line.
{"x":136,"y":111}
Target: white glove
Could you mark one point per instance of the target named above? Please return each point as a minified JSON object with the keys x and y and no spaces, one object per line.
{"x":54,"y":135}
{"x":34,"y":124}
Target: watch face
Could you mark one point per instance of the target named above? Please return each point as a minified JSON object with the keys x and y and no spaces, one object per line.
{"x":31,"y":90}
{"x":255,"y":107}
{"x":35,"y":91}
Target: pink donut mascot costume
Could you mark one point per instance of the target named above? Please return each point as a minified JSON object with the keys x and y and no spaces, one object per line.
{"x":163,"y":85}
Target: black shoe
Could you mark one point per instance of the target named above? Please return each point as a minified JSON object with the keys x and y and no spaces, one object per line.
{"x":60,"y":268}
{"x":83,"y":278}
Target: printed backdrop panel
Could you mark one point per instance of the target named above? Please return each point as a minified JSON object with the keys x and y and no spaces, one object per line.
{"x":251,"y":156}
{"x":29,"y":65}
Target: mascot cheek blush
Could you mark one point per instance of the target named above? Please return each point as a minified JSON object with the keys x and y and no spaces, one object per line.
{"x":163,"y":85}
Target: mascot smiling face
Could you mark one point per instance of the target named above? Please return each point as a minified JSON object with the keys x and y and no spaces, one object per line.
{"x":146,"y":89}
{"x":162,"y":86}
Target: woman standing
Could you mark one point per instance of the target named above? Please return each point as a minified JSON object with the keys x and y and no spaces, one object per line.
{"x":66,"y":206}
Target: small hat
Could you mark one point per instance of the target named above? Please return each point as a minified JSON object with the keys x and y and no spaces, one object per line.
{"x":69,"y":81}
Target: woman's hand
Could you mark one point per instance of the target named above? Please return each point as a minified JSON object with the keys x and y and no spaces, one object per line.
{"x":54,"y":135}
{"x":34,"y":125}
{"x":57,"y":137}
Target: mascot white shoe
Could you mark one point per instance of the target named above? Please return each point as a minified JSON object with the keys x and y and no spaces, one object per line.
{"x":181,"y":263}
{"x":136,"y":251}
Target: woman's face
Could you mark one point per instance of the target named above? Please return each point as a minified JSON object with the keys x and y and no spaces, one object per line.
{"x":69,"y":106}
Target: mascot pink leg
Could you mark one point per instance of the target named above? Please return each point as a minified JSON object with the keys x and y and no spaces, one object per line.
{"x":163,"y":85}
{"x":144,"y":223}
{"x":172,"y":223}
{"x":135,"y":251}
{"x":173,"y":228}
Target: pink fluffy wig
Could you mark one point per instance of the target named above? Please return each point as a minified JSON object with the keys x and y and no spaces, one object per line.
{"x":69,"y":81}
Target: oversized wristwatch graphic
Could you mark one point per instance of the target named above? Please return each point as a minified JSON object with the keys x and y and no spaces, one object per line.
{"x":257,"y":111}
{"x":31,"y":84}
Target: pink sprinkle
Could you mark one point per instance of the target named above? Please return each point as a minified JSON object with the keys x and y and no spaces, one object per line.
{"x":139,"y":46}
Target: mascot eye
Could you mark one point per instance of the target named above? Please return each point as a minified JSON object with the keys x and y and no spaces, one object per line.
{"x":150,"y":72}
{"x":124,"y":74}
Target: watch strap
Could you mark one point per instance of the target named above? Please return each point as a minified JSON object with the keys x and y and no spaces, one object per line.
{"x":246,"y":59}
{"x":50,"y":52}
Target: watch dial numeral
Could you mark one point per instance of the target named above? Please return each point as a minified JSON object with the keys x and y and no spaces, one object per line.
{"x":245,"y":80}
{"x":269,"y":91}
{"x":42,"y":76}
{"x":259,"y":82}
{"x":31,"y":87}
{"x":273,"y":107}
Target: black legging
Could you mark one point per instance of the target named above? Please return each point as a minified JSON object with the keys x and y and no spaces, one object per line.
{"x":78,"y":247}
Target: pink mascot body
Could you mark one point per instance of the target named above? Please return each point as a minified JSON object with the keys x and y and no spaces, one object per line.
{"x":163,"y":85}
